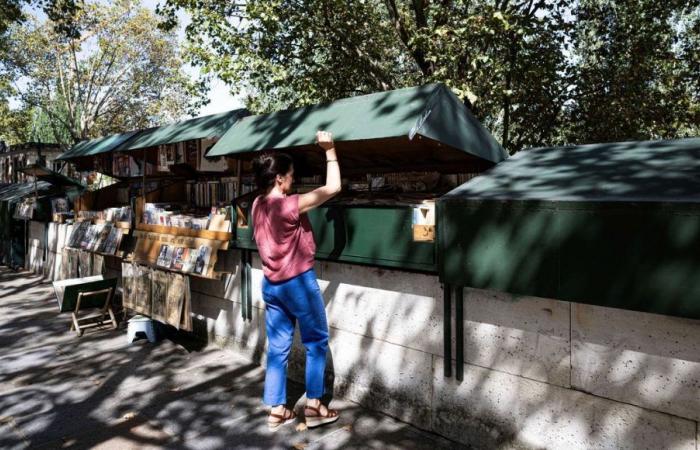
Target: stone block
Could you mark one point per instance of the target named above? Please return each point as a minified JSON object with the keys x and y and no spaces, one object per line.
{"x":645,"y":359}
{"x":226,"y":326}
{"x":392,"y":306}
{"x":492,"y":409}
{"x":525,"y":336}
{"x":382,"y":376}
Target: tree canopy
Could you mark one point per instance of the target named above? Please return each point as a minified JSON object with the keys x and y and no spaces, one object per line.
{"x":115,"y":71}
{"x":537,"y":72}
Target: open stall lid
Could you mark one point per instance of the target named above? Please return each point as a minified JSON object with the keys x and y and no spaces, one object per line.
{"x":420,"y":128}
{"x":212,"y":126}
{"x":97,"y":146}
{"x":17,"y":191}
{"x":50,"y":176}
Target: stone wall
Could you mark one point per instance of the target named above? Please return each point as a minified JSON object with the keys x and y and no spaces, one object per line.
{"x":538,"y":373}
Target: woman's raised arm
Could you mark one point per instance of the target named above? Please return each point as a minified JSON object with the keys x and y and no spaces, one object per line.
{"x":319,"y":196}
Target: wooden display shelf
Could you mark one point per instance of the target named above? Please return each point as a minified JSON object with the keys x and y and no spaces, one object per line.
{"x":119,"y":254}
{"x":186,"y":232}
{"x":150,"y":265}
{"x":122,"y":225}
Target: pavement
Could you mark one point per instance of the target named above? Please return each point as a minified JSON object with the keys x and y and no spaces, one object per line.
{"x":58,"y":390}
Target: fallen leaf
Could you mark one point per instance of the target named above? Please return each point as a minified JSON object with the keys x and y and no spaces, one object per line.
{"x":6,"y":419}
{"x":347,"y":428}
{"x":129,"y":416}
{"x":300,"y":446}
{"x":301,"y":427}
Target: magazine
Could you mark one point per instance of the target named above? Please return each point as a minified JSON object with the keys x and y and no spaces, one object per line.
{"x":77,"y":234}
{"x":178,"y":259}
{"x":112,"y":242}
{"x":165,"y":256}
{"x":189,"y":258}
{"x":102,"y":236}
{"x":203,"y":255}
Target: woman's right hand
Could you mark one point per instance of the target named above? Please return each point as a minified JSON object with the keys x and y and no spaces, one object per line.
{"x":324,"y":139}
{"x":319,"y":196}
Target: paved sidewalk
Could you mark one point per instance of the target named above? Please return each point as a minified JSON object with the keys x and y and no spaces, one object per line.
{"x":61,"y":391}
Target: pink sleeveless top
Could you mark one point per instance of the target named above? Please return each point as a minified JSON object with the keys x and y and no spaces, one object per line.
{"x":283,"y":236}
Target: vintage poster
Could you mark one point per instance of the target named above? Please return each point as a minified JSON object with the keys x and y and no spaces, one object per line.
{"x":142,"y":290}
{"x":175,"y":299}
{"x":159,"y":295}
{"x":128,"y":286}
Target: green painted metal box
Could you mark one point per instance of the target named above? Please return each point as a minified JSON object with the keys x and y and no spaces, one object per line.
{"x":375,"y":235}
{"x":613,"y":225}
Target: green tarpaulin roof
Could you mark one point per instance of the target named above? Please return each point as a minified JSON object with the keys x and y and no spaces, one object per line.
{"x":214,"y":125}
{"x":51,"y":176}
{"x":198,"y":128}
{"x":96,"y":146}
{"x":662,"y":171}
{"x":18,"y":191}
{"x":432,"y":111}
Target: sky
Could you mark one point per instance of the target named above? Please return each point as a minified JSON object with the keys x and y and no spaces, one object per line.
{"x":220,"y":99}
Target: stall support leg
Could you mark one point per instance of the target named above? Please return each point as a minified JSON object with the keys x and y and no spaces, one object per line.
{"x":447,"y":330}
{"x":244,"y":285}
{"x":249,"y":281}
{"x":459,"y":331}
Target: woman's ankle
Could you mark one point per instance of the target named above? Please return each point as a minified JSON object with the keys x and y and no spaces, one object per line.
{"x":313,"y":402}
{"x":278,"y":409}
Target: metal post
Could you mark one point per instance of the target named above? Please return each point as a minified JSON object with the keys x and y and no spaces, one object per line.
{"x":447,"y":330}
{"x":244,"y":285}
{"x":249,"y":281}
{"x":459,"y":331}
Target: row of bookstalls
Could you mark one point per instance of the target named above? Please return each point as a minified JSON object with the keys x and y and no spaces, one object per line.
{"x":184,"y":191}
{"x":32,"y":202}
{"x":413,"y":199}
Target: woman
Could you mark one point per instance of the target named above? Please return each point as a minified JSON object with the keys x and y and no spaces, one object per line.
{"x":286,"y":244}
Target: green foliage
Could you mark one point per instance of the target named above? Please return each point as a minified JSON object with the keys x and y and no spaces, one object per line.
{"x":537,"y":72}
{"x":637,"y":73}
{"x":118,"y":71}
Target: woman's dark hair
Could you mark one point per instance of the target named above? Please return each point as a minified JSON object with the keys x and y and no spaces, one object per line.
{"x":268,"y":166}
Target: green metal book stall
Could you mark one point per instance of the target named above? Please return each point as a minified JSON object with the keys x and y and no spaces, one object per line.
{"x":22,"y":202}
{"x":396,"y":151}
{"x":613,"y":224}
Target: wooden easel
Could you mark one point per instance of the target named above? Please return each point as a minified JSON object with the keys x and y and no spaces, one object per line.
{"x":106,"y":309}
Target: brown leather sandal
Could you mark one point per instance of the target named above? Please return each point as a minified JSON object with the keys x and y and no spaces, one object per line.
{"x":275,"y":421}
{"x":319,"y":419}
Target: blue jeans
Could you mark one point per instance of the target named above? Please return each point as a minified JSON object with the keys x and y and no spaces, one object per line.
{"x":286,"y":302}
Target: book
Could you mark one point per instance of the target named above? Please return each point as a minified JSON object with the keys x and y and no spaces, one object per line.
{"x":165,"y":256}
{"x":178,"y":260}
{"x":203,"y":255}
